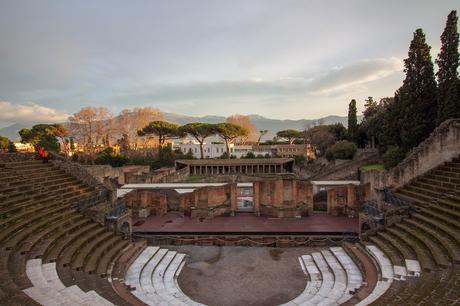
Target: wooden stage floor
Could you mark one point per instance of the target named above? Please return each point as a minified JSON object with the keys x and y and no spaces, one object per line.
{"x":245,"y":223}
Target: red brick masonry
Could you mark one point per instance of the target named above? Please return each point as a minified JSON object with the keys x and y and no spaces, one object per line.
{"x":246,"y":223}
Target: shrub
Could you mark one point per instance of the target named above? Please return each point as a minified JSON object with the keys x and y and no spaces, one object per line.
{"x":299,"y":159}
{"x":108,"y":157}
{"x":341,"y":150}
{"x":393,"y":156}
{"x":249,"y":155}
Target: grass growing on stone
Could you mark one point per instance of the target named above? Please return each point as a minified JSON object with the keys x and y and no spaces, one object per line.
{"x":193,"y":178}
{"x":374,"y":166}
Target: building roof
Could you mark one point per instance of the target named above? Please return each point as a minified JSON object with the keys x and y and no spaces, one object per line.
{"x":232,"y":162}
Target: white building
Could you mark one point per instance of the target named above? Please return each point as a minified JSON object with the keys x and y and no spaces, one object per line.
{"x":240,"y":151}
{"x":210,"y":150}
{"x":215,"y":150}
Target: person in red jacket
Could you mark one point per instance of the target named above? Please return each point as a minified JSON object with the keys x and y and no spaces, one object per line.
{"x":40,"y":152}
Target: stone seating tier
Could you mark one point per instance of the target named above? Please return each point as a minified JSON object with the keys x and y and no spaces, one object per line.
{"x":431,"y":235}
{"x":39,"y":222}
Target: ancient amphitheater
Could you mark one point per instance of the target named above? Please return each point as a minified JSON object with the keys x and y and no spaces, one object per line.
{"x":54,"y":253}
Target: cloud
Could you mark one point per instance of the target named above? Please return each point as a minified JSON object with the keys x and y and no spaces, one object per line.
{"x":354,"y":75}
{"x":30,"y":112}
{"x":351,"y":79}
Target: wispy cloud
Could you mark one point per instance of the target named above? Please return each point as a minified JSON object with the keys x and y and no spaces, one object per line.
{"x":30,"y":112}
{"x":355,"y":75}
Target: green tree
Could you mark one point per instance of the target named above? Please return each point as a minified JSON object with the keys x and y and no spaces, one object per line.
{"x":370,"y":108}
{"x":41,"y":135}
{"x":163,"y":129}
{"x":290,"y":135}
{"x":261,"y":134}
{"x":200,"y":131}
{"x":341,"y":150}
{"x":4,"y":143}
{"x":393,"y":156}
{"x":418,"y":94}
{"x":352,"y":120}
{"x":447,"y":75}
{"x":229,"y":132}
{"x":109,"y":157}
{"x":339,"y":131}
{"x":320,"y":137}
{"x":391,"y":123}
{"x":373,"y":120}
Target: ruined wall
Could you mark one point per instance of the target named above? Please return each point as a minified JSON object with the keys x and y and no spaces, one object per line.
{"x":121,"y":174}
{"x":144,"y":203}
{"x":212,"y":201}
{"x":442,"y":145}
{"x":283,"y":198}
{"x":202,"y":202}
{"x":346,"y":200}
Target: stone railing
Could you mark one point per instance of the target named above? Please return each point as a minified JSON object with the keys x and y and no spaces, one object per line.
{"x":442,"y":145}
{"x":82,"y":174}
{"x":93,"y":199}
{"x":118,"y":210}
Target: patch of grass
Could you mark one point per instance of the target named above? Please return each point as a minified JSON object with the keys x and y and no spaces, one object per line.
{"x":374,"y":166}
{"x":192,"y":178}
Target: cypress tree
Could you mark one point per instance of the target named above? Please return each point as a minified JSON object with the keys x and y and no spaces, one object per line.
{"x":447,"y":75}
{"x":418,"y":94}
{"x":352,"y":120}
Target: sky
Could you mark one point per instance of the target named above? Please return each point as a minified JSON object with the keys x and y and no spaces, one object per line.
{"x":284,"y":59}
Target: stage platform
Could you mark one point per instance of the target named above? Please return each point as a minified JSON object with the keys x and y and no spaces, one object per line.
{"x":246,"y":224}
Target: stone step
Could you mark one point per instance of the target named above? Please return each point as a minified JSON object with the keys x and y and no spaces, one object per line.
{"x":68,"y":253}
{"x":423,"y":255}
{"x":95,"y":255}
{"x":327,"y":279}
{"x":446,"y":179}
{"x":39,"y":249}
{"x":441,"y":217}
{"x":449,"y":245}
{"x":439,"y":224}
{"x":78,"y":259}
{"x":445,"y":209}
{"x":388,"y":249}
{"x":423,"y":191}
{"x":354,"y":276}
{"x":39,"y":235}
{"x":440,"y":172}
{"x":429,"y":181}
{"x":436,"y":188}
{"x":415,"y":196}
{"x":110,"y":256}
{"x":340,"y":279}
{"x":435,"y":249}
{"x":313,"y":284}
{"x":390,"y":239}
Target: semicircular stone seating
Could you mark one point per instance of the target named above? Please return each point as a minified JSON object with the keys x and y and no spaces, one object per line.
{"x":333,"y":277}
{"x":50,"y":253}
{"x":152,"y":277}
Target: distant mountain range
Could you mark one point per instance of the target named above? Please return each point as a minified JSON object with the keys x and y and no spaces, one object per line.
{"x":262,"y":123}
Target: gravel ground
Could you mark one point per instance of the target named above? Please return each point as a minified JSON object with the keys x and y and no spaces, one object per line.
{"x":243,"y":276}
